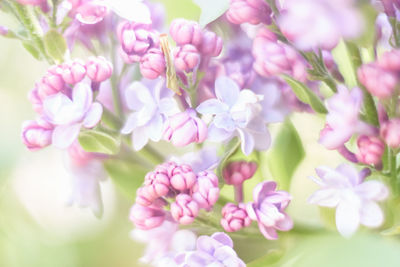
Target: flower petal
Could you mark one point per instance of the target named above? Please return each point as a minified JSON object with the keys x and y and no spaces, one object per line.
{"x":82,"y":96}
{"x":262,"y":190}
{"x":132,"y":10}
{"x":130,"y":124}
{"x":139,"y":138}
{"x":226,"y":90}
{"x":371,"y":214}
{"x":268,"y":232}
{"x":218,"y":134}
{"x":347,"y":218}
{"x":372,"y":190}
{"x":155,"y":128}
{"x":212,"y":106}
{"x":64,"y":135}
{"x":93,"y":116}
{"x":247,"y":141}
{"x":328,"y":197}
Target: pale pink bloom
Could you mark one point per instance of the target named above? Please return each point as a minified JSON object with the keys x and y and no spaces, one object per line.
{"x":355,"y":200}
{"x":234,"y":217}
{"x":182,"y":177}
{"x":73,"y":71}
{"x":152,"y":64}
{"x":268,"y":209}
{"x":249,"y":11}
{"x":343,"y":118}
{"x":186,"y":32}
{"x":184,"y":210}
{"x":147,"y":217}
{"x":186,"y":58}
{"x":36,"y":134}
{"x":69,"y":115}
{"x":206,"y":191}
{"x":378,"y":81}
{"x":98,"y":69}
{"x":237,"y":172}
{"x":51,"y":83}
{"x":185,"y":128}
{"x":390,"y":132}
{"x":211,"y":44}
{"x":390,"y":60}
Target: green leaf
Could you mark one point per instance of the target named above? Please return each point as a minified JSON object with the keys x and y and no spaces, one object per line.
{"x":211,"y":10}
{"x":100,"y":142}
{"x":346,"y":65}
{"x":32,"y":50}
{"x":230,"y":149}
{"x":55,"y":45}
{"x":370,"y":14}
{"x":285,"y":155}
{"x":128,"y":177}
{"x":269,"y":259}
{"x":305,"y":94}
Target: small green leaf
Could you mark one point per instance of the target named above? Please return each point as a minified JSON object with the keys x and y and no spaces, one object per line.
{"x":305,"y":94}
{"x":211,"y":10}
{"x":346,"y":65}
{"x":270,"y":259}
{"x":230,"y":149}
{"x":55,"y":45}
{"x":128,"y":177}
{"x":99,"y":142}
{"x":32,"y":50}
{"x":285,"y":155}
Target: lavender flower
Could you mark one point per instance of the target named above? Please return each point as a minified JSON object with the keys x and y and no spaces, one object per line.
{"x":150,"y":112}
{"x":355,"y":200}
{"x":69,"y":116}
{"x":236,"y":113}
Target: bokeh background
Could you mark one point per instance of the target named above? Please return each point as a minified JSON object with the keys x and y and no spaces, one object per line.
{"x":38,"y":229}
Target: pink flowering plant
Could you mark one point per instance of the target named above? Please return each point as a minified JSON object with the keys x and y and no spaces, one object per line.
{"x":194,"y":120}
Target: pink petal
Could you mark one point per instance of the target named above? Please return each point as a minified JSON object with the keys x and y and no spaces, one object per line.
{"x":64,"y":135}
{"x":93,"y":116}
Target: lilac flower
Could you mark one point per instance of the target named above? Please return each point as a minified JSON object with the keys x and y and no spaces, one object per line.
{"x":236,"y":113}
{"x":342,"y":119}
{"x":268,"y":209}
{"x":354,"y":200}
{"x":87,"y":172}
{"x":150,"y":113}
{"x":319,"y":23}
{"x":216,"y":250}
{"x":201,"y":160}
{"x":69,"y":115}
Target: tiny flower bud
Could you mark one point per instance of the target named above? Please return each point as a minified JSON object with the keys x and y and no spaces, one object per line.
{"x":185,"y":128}
{"x":98,"y":69}
{"x":36,"y":134}
{"x":390,"y":133}
{"x":238,"y":171}
{"x":157,"y":183}
{"x":234,"y":217}
{"x":205,"y":191}
{"x":184,"y":209}
{"x":186,"y":32}
{"x":250,"y":11}
{"x":146,"y":218}
{"x":73,"y":72}
{"x":182,"y":177}
{"x":186,"y":58}
{"x":34,"y":98}
{"x":371,"y":149}
{"x":379,"y":82}
{"x":390,"y":60}
{"x":91,"y":12}
{"x":152,"y":64}
{"x":211,"y":45}
{"x":51,"y":83}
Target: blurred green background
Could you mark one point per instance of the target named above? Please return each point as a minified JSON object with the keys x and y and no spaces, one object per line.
{"x":37,"y":229}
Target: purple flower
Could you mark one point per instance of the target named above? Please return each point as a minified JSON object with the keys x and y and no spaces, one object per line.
{"x":342,"y":119}
{"x":250,"y":11}
{"x":319,"y":23}
{"x":69,"y":115}
{"x":216,"y":250}
{"x":355,"y":200}
{"x":237,"y":112}
{"x":150,"y":108}
{"x":371,"y":149}
{"x":201,"y":160}
{"x":186,"y":32}
{"x":205,"y":191}
{"x":268,"y":209}
{"x":186,"y":58}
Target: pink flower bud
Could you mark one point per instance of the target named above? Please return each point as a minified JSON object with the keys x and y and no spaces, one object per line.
{"x":90,"y":12}
{"x":157,"y":183}
{"x":390,"y":60}
{"x":379,"y":82}
{"x":36,"y":134}
{"x":73,"y":72}
{"x":136,"y":38}
{"x":211,"y":45}
{"x":3,"y":30}
{"x":146,"y":218}
{"x":186,"y":58}
{"x":152,"y":65}
{"x":182,"y":177}
{"x":371,"y":149}
{"x":184,"y":209}
{"x":250,"y":11}
{"x":34,"y":98}
{"x":51,"y":83}
{"x":234,"y":217}
{"x":98,"y":69}
{"x":185,"y":128}
{"x":238,"y":171}
{"x":205,"y":191}
{"x":143,"y":198}
{"x":186,"y":32}
{"x":390,"y":133}
{"x":274,"y":58}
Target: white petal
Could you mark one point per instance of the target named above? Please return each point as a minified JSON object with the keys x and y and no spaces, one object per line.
{"x":93,"y":116}
{"x":64,"y":135}
{"x":218,"y":134}
{"x":262,"y":141}
{"x":212,"y":106}
{"x":328,"y":197}
{"x":132,"y":10}
{"x":155,"y":128}
{"x":59,"y":109}
{"x":350,"y":172}
{"x":226,"y":90}
{"x":247,"y":141}
{"x":225,"y":122}
{"x":130,"y":124}
{"x":168,"y":106}
{"x":372,"y":190}
{"x":371,"y":214}
{"x":82,"y":96}
{"x":347,"y":218}
{"x":139,"y":138}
